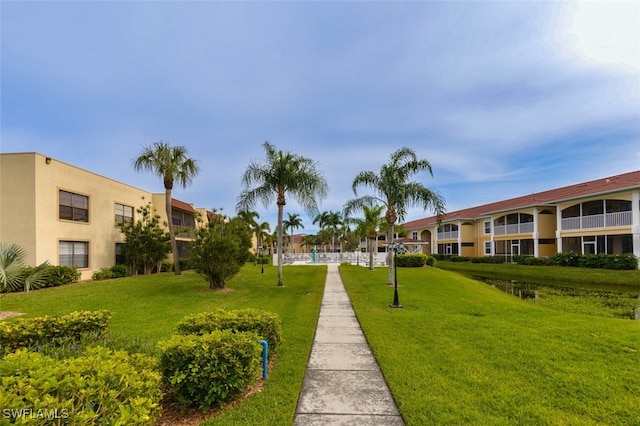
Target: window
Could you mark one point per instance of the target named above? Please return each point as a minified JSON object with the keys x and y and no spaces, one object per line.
{"x":487,"y":247}
{"x":414,"y":235}
{"x":120,"y":259}
{"x":124,"y":214}
{"x":73,"y":207}
{"x":487,"y":227}
{"x":74,"y":253}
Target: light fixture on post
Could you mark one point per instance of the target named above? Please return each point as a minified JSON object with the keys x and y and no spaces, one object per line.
{"x":395,"y":247}
{"x":262,"y":259}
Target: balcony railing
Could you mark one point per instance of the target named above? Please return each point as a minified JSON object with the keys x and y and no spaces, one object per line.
{"x":516,"y":228}
{"x":448,"y":235}
{"x":597,"y":221}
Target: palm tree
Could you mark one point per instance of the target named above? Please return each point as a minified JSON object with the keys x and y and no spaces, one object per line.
{"x":263,"y":233}
{"x":172,"y":165}
{"x":330,"y":221}
{"x":293,"y":222}
{"x":249,"y":217}
{"x":393,"y":189}
{"x":14,"y":275}
{"x":369,"y":226}
{"x":279,"y":174}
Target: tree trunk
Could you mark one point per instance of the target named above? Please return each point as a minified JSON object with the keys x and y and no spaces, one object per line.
{"x":279,"y":243}
{"x":172,"y":235}
{"x":390,"y":279}
{"x":371,"y":266}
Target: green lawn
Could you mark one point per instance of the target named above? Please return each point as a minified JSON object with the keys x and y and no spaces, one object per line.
{"x":461,"y":352}
{"x":150,"y":307}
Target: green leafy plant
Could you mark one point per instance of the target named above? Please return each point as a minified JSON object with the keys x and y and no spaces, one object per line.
{"x":25,"y":332}
{"x":207,"y":370}
{"x":100,"y":387}
{"x":265,"y":324}
{"x":102,"y":274}
{"x":411,"y":260}
{"x":14,"y":275}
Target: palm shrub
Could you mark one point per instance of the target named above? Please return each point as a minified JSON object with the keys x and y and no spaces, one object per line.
{"x":14,"y":275}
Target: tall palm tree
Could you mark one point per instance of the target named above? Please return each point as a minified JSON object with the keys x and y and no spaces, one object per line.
{"x":368,"y":227}
{"x":263,"y":233}
{"x":249,"y":217}
{"x":292,"y":222}
{"x":393,"y":189}
{"x":172,"y":165}
{"x":279,"y":174}
{"x":330,"y":221}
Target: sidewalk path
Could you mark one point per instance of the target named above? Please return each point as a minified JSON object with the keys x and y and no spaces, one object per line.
{"x":343,"y":384}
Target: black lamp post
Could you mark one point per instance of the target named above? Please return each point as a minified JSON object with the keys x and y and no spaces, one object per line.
{"x":395,"y":247}
{"x":262,"y":259}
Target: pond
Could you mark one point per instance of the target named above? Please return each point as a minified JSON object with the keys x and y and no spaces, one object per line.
{"x":615,"y":302}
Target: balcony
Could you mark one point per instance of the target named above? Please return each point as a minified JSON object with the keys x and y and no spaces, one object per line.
{"x":606,"y":220}
{"x":516,"y":228}
{"x":448,"y":235}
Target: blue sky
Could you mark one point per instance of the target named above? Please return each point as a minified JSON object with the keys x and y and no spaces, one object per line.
{"x":503,"y":98}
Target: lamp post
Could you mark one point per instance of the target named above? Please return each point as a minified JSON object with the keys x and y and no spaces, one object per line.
{"x":262,"y":259}
{"x":395,"y":247}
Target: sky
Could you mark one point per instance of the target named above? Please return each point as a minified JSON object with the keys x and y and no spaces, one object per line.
{"x":502,"y":98}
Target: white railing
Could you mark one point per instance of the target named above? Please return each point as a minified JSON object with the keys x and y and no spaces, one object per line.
{"x":361,"y":258}
{"x":516,"y":228}
{"x":448,"y":235}
{"x":597,"y":221}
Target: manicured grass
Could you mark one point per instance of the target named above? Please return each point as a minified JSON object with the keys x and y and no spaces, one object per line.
{"x":565,"y":275}
{"x":461,"y":352}
{"x":150,"y":306}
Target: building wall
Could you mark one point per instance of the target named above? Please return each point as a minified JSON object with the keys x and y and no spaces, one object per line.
{"x":30,"y":209}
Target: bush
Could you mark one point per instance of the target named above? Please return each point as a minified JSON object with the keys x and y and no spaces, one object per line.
{"x":102,"y":274}
{"x":119,"y":271}
{"x":60,"y":275}
{"x":487,"y":259}
{"x":207,"y":370}
{"x":27,"y":332}
{"x":431,"y":261}
{"x":101,"y":387}
{"x":411,"y":260}
{"x":265,"y":324}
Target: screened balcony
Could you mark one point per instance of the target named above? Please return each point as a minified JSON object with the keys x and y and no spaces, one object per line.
{"x":514,"y":223}
{"x":597,"y":214}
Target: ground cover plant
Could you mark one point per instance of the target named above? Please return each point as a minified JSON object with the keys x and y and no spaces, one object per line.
{"x":149,"y":308}
{"x":461,"y":352}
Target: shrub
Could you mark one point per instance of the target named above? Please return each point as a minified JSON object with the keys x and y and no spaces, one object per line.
{"x":411,"y":260}
{"x":207,"y":370}
{"x":431,"y":261}
{"x":459,"y":258}
{"x":101,"y":387}
{"x":265,"y":324}
{"x":119,"y":271}
{"x":102,"y":274}
{"x":26,"y":332}
{"x":59,"y":275}
{"x":487,"y":259}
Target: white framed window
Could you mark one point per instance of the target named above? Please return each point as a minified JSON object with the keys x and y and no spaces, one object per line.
{"x":487,"y":227}
{"x":487,"y":248}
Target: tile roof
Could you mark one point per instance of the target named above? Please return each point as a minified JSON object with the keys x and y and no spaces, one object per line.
{"x":594,"y":187}
{"x":181,"y":205}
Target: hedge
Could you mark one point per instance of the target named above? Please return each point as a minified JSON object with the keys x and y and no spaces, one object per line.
{"x":209,"y":369}
{"x":266,"y":325}
{"x":30,"y":332}
{"x":98,"y":388}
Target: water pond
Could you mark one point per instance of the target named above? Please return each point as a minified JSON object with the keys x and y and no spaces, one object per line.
{"x":612,"y":301}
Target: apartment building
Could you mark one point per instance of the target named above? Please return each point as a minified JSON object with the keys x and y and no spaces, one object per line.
{"x":599,"y":216}
{"x":70,"y":216}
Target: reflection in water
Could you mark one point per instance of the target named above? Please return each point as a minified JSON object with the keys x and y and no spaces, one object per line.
{"x":620,"y":303}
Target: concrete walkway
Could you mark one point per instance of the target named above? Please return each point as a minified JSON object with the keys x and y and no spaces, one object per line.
{"x":343,"y":384}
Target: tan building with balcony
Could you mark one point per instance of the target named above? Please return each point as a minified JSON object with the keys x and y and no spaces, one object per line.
{"x":70,"y":216}
{"x":600,"y":216}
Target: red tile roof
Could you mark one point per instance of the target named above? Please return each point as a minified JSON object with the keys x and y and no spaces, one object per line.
{"x":594,"y":187}
{"x":181,"y":205}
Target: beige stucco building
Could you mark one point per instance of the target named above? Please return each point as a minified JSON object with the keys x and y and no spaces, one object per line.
{"x":600,"y":216}
{"x":67,"y":215}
